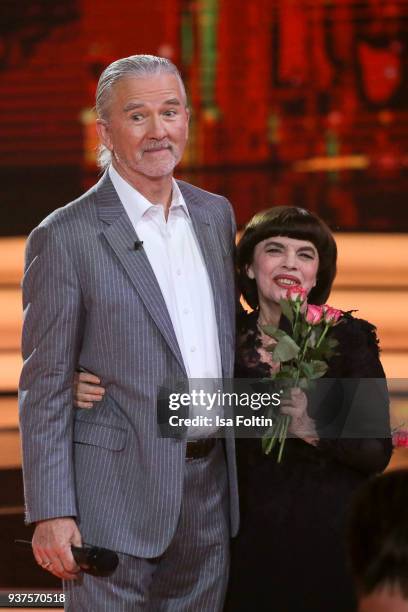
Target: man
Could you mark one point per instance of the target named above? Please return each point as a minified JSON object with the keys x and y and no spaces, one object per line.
{"x":133,"y":282}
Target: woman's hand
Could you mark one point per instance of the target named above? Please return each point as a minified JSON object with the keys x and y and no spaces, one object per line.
{"x":86,"y":390}
{"x":301,"y":424}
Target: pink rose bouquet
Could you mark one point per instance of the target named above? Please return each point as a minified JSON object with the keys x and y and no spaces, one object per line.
{"x":302,"y":354}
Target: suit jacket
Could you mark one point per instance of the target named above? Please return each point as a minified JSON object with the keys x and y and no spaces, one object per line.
{"x":91,"y":300}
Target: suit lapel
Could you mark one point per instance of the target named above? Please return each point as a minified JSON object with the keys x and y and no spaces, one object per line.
{"x":206,"y":232}
{"x":121,"y":237}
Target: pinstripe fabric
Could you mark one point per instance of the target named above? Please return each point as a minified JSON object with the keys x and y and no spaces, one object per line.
{"x":192,"y":573}
{"x":91,"y":300}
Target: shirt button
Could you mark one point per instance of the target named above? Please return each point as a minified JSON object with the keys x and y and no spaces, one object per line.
{"x":193,"y":348}
{"x":185,"y":311}
{"x":178,"y":272}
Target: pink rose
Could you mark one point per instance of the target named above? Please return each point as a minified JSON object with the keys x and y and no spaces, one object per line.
{"x":296,"y":294}
{"x":331,"y":315}
{"x":314,"y":314}
{"x":400,"y":439}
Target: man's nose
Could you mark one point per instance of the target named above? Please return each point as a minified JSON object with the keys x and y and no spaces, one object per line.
{"x":157,"y":128}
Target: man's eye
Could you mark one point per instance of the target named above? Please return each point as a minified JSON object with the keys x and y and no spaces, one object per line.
{"x":170,"y":113}
{"x":137,"y":117}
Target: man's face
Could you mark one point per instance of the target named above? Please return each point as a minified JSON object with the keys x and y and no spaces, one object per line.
{"x":146,"y":127}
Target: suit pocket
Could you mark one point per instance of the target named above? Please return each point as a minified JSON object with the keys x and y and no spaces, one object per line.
{"x":95,"y":434}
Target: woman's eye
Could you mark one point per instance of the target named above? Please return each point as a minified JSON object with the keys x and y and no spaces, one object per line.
{"x":273,"y":250}
{"x":306,"y":256}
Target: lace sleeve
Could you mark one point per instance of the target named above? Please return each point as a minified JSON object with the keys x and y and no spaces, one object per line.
{"x":359,"y":350}
{"x":249,"y":362}
{"x":362,"y":375}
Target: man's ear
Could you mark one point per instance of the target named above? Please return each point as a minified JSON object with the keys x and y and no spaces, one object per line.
{"x":102,"y":128}
{"x":250,"y":272}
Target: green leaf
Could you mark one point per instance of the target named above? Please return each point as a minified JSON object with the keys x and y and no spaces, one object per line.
{"x":318,"y":368}
{"x":285,"y":350}
{"x":273,"y":332}
{"x":306,"y":369}
{"x":325,"y":350}
{"x":288,"y":370}
{"x":287,"y":373}
{"x":303,"y":383}
{"x":287,"y":310}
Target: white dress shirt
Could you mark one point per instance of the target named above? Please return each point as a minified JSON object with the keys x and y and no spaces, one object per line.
{"x":174,"y":254}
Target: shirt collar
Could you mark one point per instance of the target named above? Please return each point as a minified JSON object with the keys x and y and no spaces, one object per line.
{"x":136,"y":205}
{"x":177,"y":198}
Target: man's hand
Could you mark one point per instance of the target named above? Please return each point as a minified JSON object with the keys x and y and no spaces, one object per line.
{"x":86,"y":390}
{"x":51,"y":543}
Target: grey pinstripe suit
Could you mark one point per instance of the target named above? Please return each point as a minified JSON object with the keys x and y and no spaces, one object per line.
{"x":91,"y":299}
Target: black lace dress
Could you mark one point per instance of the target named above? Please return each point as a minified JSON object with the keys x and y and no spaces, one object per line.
{"x":290,"y":553}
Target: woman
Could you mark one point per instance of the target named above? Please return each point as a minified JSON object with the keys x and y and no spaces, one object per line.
{"x":289,"y":554}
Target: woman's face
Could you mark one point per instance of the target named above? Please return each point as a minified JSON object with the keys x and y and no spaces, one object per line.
{"x":279,"y":263}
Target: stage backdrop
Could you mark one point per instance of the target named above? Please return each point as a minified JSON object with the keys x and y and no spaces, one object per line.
{"x":293,"y":101}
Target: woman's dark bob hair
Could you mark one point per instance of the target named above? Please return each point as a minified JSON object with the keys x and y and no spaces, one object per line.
{"x":292,"y":222}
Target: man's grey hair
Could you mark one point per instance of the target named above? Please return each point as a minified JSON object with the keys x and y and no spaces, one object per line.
{"x":136,"y":66}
